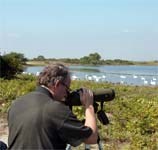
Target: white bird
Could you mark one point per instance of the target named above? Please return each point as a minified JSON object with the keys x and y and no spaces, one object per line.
{"x":145,"y":82}
{"x":142,"y":78}
{"x":88,"y":77}
{"x":74,"y":77}
{"x":123,"y":77}
{"x":37,"y":73}
{"x":103,"y":76}
{"x":97,"y":79}
{"x":154,"y":78}
{"x":122,"y":82}
{"x":94,"y":77}
{"x":24,"y":72}
{"x":152,"y":82}
{"x":135,"y":77}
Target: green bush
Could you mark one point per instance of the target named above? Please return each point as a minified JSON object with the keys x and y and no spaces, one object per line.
{"x":12,"y":89}
{"x":11,"y":64}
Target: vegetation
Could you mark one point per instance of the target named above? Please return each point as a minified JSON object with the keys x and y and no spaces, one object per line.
{"x":91,"y":59}
{"x":11,"y":64}
{"x":133,"y":113}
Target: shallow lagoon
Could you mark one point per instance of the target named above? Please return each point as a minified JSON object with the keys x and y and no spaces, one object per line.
{"x":132,"y":75}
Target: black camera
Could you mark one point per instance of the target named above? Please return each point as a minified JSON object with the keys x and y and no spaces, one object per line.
{"x":100,"y":95}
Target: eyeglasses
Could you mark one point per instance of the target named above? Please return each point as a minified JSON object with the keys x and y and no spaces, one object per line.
{"x":66,"y":86}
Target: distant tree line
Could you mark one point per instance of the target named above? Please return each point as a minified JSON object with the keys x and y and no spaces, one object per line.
{"x":91,"y":59}
{"x":13,"y":63}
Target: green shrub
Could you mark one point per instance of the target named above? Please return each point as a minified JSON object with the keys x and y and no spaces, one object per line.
{"x":11,"y":64}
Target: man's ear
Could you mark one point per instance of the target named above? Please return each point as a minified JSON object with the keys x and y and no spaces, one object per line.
{"x":54,"y":87}
{"x":56,"y":83}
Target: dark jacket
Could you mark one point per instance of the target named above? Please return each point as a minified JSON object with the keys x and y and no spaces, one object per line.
{"x":3,"y":146}
{"x":37,"y":121}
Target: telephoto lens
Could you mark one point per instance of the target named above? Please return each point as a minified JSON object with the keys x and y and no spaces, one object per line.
{"x":100,"y":95}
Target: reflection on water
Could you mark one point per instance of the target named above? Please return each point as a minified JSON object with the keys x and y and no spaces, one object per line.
{"x":133,"y":75}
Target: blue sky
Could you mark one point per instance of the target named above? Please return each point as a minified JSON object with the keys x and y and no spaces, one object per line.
{"x":116,"y":29}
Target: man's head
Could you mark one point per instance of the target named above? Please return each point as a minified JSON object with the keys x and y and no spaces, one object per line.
{"x":56,"y":77}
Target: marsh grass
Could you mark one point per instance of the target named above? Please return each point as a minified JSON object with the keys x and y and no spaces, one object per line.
{"x":133,"y":114}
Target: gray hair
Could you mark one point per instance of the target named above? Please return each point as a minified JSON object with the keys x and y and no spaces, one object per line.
{"x":52,"y":73}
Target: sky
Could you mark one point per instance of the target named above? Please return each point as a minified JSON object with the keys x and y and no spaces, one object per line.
{"x":116,"y":29}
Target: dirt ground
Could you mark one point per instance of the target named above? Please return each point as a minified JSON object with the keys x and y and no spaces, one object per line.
{"x":3,"y":129}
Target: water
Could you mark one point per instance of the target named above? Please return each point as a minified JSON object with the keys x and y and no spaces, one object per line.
{"x":132,"y":75}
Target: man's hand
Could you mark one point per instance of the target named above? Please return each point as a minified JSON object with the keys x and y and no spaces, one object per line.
{"x":86,"y":97}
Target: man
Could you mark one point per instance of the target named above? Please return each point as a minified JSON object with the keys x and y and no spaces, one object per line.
{"x":42,"y":120}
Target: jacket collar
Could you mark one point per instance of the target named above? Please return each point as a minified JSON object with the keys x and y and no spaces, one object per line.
{"x":44,"y":90}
